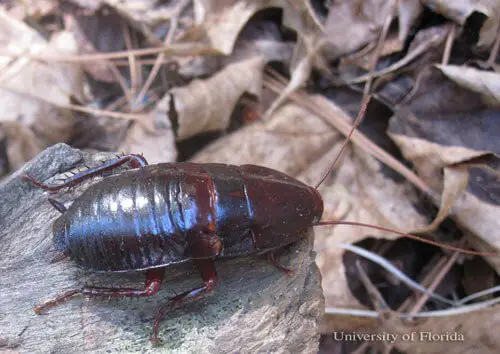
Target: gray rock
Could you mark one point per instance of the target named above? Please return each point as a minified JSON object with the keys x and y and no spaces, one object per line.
{"x":255,"y":307}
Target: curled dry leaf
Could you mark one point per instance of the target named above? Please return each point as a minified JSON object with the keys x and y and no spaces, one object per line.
{"x":483,"y":82}
{"x":222,"y":34}
{"x":262,"y":38}
{"x":478,"y":213}
{"x":456,"y":179}
{"x":31,"y":90}
{"x":211,"y":17}
{"x":206,"y":105}
{"x":462,"y":10}
{"x":446,"y":126}
{"x":220,"y":22}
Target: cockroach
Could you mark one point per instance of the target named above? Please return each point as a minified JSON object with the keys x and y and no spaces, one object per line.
{"x":153,"y":216}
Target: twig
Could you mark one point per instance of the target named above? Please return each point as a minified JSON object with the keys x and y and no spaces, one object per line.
{"x":121,"y":80}
{"x":459,"y":309}
{"x":352,"y":58}
{"x":479,"y":294}
{"x":161,"y":57}
{"x":437,"y":280}
{"x":133,"y":66}
{"x":413,"y":90}
{"x":395,"y":271}
{"x":439,"y":262}
{"x":420,"y":49}
{"x":449,"y":44}
{"x":178,"y":49}
{"x":121,"y":62}
{"x":366,"y":96}
{"x":376,"y":298}
{"x":378,"y":50}
{"x":316,"y":20}
{"x":454,"y":311}
{"x":100,"y":112}
{"x":299,"y":75}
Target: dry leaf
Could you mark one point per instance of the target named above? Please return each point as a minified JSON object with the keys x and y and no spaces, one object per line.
{"x":220,"y":22}
{"x":288,"y":142}
{"x":478,"y":275}
{"x":445,"y":125}
{"x":352,"y":24}
{"x":271,"y":50}
{"x":307,"y":52}
{"x":206,"y":105}
{"x":477,"y":214}
{"x":483,"y":82}
{"x":456,"y":179}
{"x":422,"y":51}
{"x":408,"y":14}
{"x":99,"y":31}
{"x":33,"y":8}
{"x":461,"y":10}
{"x":143,"y":12}
{"x":222,"y":34}
{"x":157,"y":146}
{"x":21,"y":144}
{"x":300,"y":74}
{"x":31,"y":90}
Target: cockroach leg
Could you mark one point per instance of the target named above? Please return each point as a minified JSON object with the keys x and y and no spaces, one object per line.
{"x":57,"y":205}
{"x":154,"y":278}
{"x":272,"y":258}
{"x":135,"y":160}
{"x":209,"y":276}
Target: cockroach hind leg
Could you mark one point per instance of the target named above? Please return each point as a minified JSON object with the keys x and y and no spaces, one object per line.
{"x":207,"y":271}
{"x":274,"y":261}
{"x":152,"y":284}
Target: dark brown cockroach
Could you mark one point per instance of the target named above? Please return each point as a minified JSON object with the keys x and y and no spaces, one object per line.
{"x":152,"y":216}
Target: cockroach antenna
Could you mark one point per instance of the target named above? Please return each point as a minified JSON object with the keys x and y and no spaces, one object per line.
{"x":361,"y":113}
{"x":357,"y":121}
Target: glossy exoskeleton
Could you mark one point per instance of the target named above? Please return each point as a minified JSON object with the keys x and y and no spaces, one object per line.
{"x":153,"y":216}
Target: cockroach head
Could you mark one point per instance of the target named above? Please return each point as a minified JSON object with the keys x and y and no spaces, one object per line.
{"x":318,"y":205}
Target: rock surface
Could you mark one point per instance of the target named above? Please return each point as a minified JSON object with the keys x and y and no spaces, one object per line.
{"x":255,"y":307}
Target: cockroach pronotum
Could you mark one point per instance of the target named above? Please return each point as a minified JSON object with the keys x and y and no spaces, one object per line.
{"x":152,"y":216}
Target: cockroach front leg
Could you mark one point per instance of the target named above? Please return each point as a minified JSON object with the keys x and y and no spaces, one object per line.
{"x":136,"y":161}
{"x":209,"y":276}
{"x":154,"y":278}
